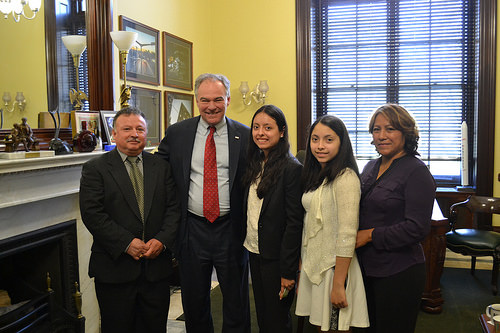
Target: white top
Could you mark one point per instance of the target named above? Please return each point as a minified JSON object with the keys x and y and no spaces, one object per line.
{"x":253,"y":214}
{"x":331,"y":225}
{"x":330,"y":228}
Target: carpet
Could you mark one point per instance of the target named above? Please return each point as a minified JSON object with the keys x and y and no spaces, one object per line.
{"x":465,"y":299}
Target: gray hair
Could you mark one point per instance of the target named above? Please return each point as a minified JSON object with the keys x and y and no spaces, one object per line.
{"x":128,"y":111}
{"x":212,"y":77}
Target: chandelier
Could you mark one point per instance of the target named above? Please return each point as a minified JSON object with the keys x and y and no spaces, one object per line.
{"x":19,"y":8}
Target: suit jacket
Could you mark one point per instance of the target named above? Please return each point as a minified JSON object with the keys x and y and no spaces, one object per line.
{"x":281,"y":219}
{"x":110,"y":212}
{"x":177,"y":148}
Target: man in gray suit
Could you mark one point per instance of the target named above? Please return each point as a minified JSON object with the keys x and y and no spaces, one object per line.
{"x":129,"y":204}
{"x":212,"y":229}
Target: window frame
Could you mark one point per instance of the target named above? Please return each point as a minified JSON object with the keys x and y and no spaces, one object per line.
{"x":482,"y":154}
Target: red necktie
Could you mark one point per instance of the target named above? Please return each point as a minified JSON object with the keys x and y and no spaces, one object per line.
{"x":210,"y":183}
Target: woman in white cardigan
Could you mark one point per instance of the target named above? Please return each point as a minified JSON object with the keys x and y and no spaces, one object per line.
{"x":331,"y":290}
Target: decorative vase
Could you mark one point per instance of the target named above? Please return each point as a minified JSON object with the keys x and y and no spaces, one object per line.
{"x":85,"y":141}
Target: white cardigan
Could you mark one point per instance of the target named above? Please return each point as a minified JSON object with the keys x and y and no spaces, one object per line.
{"x":330,"y":229}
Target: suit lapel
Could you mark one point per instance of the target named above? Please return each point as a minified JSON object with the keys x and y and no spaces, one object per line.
{"x":150,"y":171}
{"x":191,"y":129}
{"x":119,"y":173}
{"x":234,"y":137}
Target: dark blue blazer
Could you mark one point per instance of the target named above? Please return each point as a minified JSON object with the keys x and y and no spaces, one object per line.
{"x":281,"y":220}
{"x":177,"y":148}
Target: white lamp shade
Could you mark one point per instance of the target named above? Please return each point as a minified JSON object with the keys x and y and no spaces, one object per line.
{"x":263,"y":87}
{"x":17,"y":7}
{"x":244,"y":87}
{"x":6,"y":7}
{"x":35,"y":4}
{"x":75,"y":44}
{"x":123,"y":39}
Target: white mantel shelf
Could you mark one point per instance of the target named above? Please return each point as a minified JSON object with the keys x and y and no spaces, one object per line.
{"x":37,"y":163}
{"x":33,"y":179}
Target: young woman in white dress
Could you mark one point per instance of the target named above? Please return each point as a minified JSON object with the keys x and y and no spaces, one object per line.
{"x":331,"y":290}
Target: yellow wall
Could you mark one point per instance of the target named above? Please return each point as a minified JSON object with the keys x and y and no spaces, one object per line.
{"x":249,"y":41}
{"x":22,"y":66}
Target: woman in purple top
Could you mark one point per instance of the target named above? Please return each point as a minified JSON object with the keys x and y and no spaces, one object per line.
{"x":395,"y":216}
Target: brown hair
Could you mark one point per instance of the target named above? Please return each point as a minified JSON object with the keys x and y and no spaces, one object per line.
{"x":401,"y":119}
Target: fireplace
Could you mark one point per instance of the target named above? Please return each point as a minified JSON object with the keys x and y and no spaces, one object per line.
{"x":39,"y":272}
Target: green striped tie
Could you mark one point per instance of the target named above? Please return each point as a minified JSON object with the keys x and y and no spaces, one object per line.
{"x":137,"y":182}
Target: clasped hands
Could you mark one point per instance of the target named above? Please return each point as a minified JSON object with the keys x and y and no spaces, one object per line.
{"x":150,"y":250}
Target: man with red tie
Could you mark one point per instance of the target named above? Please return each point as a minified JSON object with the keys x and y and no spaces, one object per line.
{"x":208,"y":158}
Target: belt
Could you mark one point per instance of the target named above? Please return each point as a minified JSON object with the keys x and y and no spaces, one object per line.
{"x":204,"y":219}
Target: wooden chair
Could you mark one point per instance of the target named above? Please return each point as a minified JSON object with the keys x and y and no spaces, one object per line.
{"x":475,"y":242}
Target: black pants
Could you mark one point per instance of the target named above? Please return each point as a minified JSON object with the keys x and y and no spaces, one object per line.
{"x":213,"y":245}
{"x":273,"y":314}
{"x":135,"y":307}
{"x":394,"y":301}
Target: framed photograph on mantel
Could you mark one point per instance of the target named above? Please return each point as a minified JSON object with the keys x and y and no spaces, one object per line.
{"x":143,"y":58}
{"x":178,"y":106}
{"x":89,"y":120}
{"x":107,"y":121}
{"x":177,"y":62}
{"x":149,"y":102}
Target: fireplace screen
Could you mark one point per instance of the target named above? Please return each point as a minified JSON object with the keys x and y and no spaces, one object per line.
{"x":39,"y":281}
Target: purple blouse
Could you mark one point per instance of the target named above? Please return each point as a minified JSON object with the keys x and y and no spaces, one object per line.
{"x":399,"y":206}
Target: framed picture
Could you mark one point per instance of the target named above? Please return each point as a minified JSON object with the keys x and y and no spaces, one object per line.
{"x":178,"y":106}
{"x":91,"y":120}
{"x":143,"y":58}
{"x":107,"y":122}
{"x":177,"y":62}
{"x":149,"y":102}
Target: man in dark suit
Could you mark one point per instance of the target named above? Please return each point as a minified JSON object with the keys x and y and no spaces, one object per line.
{"x":129,"y":204}
{"x":211,"y":233}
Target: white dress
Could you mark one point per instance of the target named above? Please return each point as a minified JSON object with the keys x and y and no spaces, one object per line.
{"x":330,"y":227}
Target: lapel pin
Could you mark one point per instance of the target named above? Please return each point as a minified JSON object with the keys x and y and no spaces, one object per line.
{"x":237,"y":137}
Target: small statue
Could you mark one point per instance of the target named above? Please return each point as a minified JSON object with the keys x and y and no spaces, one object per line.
{"x":12,"y":140}
{"x":21,"y":133}
{"x":59,"y":146}
{"x":27,"y":138}
{"x":76,"y":98}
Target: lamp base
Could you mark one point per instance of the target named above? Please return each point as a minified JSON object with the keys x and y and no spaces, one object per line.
{"x":125,"y":96}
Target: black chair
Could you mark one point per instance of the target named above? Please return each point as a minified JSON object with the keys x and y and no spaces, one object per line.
{"x":475,"y":242}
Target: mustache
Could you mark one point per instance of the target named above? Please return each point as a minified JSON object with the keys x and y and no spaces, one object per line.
{"x":133,"y":140}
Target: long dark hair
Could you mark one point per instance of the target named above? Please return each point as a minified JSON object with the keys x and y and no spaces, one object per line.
{"x":277,"y":156}
{"x":312,"y":174}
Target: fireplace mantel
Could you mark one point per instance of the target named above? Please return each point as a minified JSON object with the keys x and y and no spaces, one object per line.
{"x":41,"y":192}
{"x":34,"y":179}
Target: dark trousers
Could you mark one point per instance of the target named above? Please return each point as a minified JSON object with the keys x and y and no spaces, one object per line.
{"x":135,"y":307}
{"x":273,"y":314}
{"x":394,"y":301}
{"x":212,"y":245}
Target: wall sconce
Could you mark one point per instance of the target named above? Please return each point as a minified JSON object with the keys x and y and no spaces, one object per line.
{"x":258,"y":94}
{"x":19,"y":103}
{"x":123,"y":41}
{"x":17,"y":8}
{"x":76,"y":44}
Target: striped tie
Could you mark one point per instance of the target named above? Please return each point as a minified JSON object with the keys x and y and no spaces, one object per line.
{"x":137,"y":182}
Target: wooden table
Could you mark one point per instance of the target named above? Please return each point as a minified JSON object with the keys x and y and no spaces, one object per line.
{"x":487,"y":327}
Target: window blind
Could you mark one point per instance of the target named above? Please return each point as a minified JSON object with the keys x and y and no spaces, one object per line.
{"x":417,"y":53}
